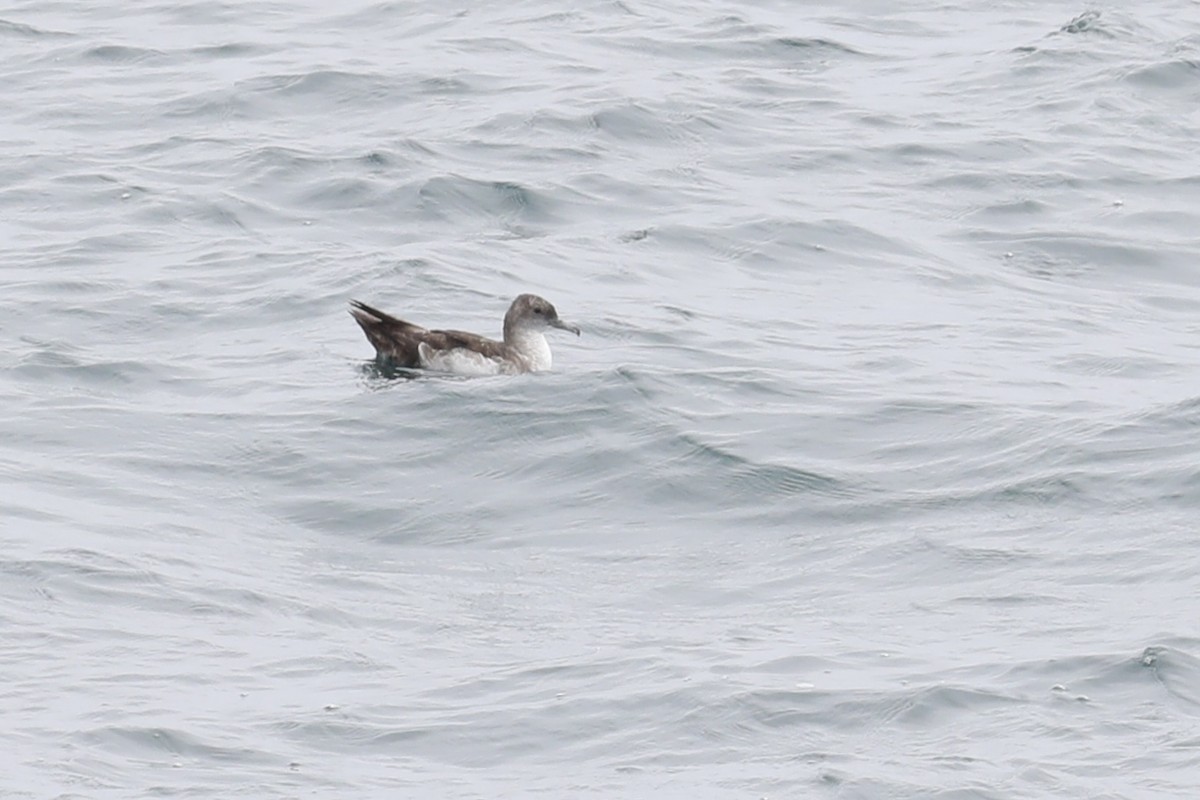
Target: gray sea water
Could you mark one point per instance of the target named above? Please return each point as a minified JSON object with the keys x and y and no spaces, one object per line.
{"x":875,"y":473}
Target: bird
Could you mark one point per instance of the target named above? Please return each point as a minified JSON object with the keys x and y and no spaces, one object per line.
{"x":524,"y":348}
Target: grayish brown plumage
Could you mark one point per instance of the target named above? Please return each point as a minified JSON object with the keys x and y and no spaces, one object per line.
{"x":524,"y":348}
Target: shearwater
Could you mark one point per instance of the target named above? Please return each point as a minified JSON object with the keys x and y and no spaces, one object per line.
{"x":524,"y":349}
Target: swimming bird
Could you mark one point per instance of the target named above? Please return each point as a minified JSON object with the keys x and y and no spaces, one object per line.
{"x":524,"y":349}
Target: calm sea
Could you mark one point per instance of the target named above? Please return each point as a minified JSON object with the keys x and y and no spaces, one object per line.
{"x":875,"y":473}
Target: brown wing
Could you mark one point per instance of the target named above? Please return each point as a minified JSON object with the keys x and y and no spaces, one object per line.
{"x":394,"y":339}
{"x":448,"y":340}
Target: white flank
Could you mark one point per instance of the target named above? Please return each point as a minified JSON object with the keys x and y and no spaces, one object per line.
{"x":530,"y":347}
{"x":461,"y":361}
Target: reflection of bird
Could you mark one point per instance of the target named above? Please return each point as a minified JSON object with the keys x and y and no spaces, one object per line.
{"x":524,"y":349}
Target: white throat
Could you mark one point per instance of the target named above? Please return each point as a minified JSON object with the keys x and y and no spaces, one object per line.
{"x":533,"y":347}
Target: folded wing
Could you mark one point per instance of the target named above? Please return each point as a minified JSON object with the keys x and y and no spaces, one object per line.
{"x":404,"y":344}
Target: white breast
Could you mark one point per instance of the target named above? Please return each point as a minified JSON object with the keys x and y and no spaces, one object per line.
{"x":534,"y":348}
